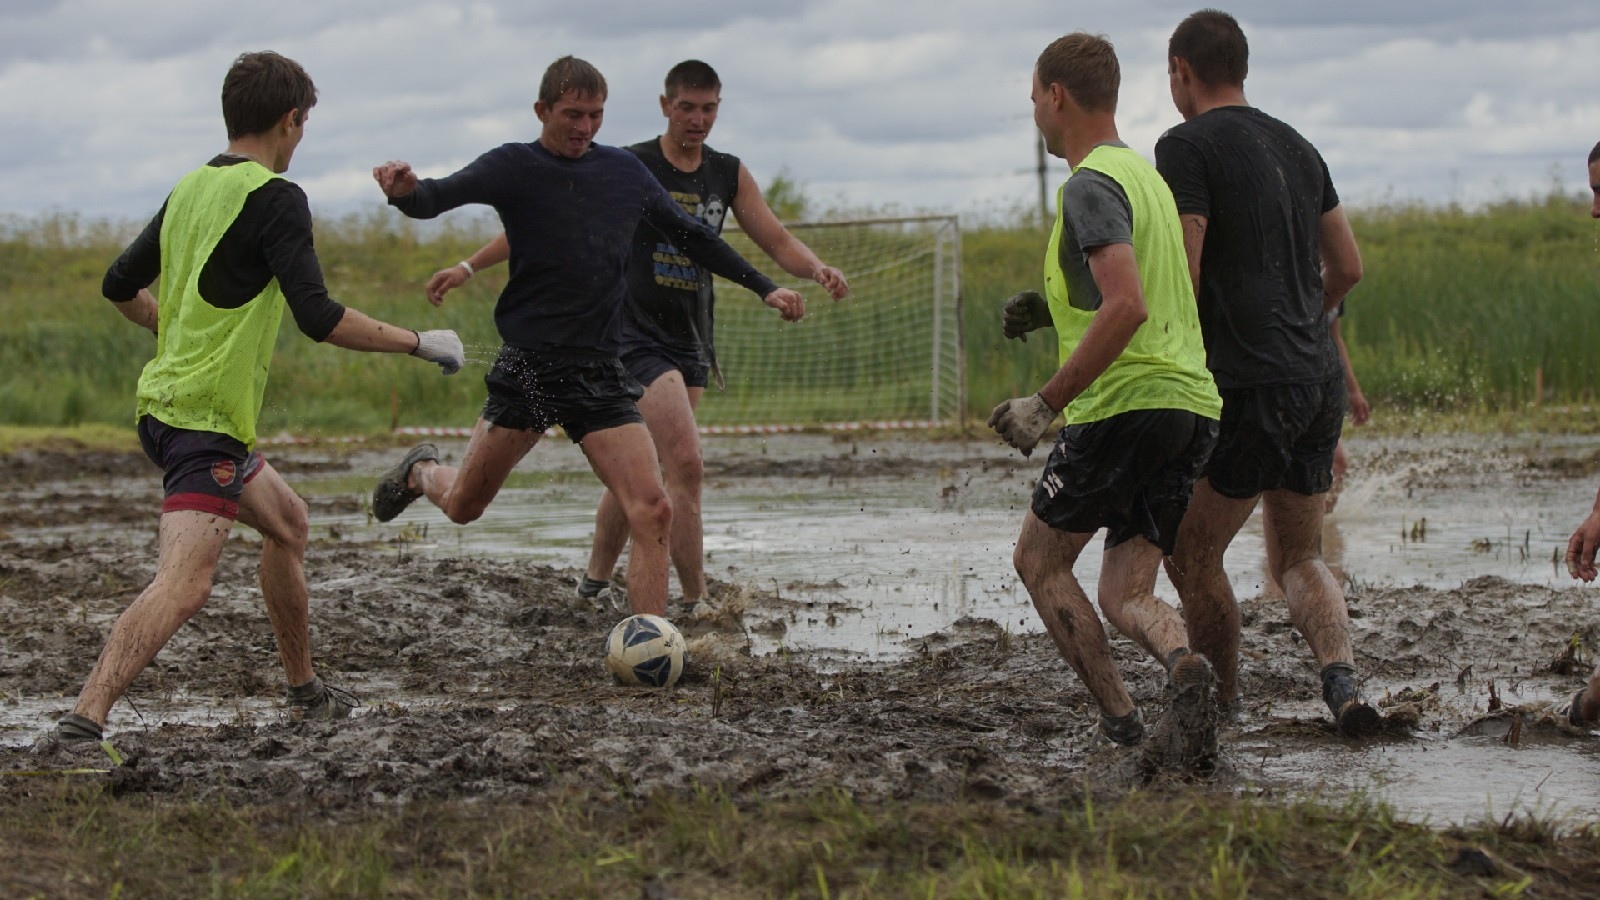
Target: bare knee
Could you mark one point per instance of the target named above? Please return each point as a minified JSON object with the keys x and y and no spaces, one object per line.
{"x":185,"y":596}
{"x":651,"y":515}
{"x":463,"y":513}
{"x":292,"y":529}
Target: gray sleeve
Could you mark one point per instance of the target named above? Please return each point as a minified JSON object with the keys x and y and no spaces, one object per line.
{"x":1099,"y":210}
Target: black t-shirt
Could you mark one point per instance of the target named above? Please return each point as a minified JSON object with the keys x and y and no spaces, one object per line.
{"x":670,"y":300}
{"x":570,"y":225}
{"x":271,"y":238}
{"x":1263,"y":190}
{"x":1095,"y":212}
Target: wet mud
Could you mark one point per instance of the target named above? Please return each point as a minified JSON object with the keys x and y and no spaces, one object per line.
{"x":483,"y":678}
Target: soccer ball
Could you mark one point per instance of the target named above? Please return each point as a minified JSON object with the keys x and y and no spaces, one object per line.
{"x":645,"y":650}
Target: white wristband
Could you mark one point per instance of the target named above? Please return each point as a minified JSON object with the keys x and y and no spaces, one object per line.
{"x":468,"y":266}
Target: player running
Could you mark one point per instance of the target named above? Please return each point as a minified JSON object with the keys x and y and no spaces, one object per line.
{"x":1140,"y":406}
{"x":232,"y":247}
{"x":1271,"y":254}
{"x":571,"y":209}
{"x":666,"y":341}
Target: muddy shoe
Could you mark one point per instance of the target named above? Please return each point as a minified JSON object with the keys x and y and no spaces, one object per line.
{"x":75,"y":738}
{"x":315,"y":700}
{"x":1186,"y":740}
{"x":1125,"y":731}
{"x":1575,"y":711}
{"x":1351,"y":711}
{"x":394,"y":493}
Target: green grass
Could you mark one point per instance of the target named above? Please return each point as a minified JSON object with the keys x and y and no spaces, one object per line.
{"x":76,"y":840}
{"x":1461,"y":314}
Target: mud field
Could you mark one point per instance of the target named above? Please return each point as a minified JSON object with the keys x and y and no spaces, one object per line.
{"x":482,"y":677}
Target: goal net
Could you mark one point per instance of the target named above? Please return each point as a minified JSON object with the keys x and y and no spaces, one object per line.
{"x":889,"y":355}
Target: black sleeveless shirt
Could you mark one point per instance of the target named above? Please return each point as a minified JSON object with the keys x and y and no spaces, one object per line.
{"x":669,"y":295}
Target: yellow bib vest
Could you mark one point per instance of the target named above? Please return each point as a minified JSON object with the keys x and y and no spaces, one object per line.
{"x":1164,"y":366}
{"x":210,"y":368}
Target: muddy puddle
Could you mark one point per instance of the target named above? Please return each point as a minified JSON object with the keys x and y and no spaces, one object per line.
{"x":871,"y":636}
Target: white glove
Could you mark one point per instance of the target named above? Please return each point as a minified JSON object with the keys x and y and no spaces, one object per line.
{"x":1022,"y":422}
{"x":442,"y":347}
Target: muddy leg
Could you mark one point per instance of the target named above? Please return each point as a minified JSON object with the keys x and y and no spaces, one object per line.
{"x":191,"y":543}
{"x":1316,"y":602}
{"x":272,"y":508}
{"x":1044,"y":558}
{"x":463,"y":494}
{"x":1195,"y":567}
{"x":625,"y":460}
{"x":1127,"y":597}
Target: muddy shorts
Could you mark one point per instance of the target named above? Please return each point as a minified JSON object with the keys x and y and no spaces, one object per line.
{"x":1278,"y":437}
{"x":582,"y":392}
{"x":1131,"y":474}
{"x":203,"y":471}
{"x":647,"y":362}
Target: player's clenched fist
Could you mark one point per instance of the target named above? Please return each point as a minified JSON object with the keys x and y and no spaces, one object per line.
{"x":789,"y":304}
{"x":395,"y":178}
{"x":1022,"y":422}
{"x":1024,"y":312}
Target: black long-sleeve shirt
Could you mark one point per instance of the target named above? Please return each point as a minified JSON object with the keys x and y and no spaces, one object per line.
{"x":570,"y":225}
{"x":271,"y":238}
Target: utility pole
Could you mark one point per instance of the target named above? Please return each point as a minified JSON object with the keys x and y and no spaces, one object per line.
{"x":1044,"y":188}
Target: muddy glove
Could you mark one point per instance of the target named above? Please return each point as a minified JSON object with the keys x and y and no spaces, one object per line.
{"x":1024,"y":312}
{"x":442,"y":347}
{"x":1022,"y":422}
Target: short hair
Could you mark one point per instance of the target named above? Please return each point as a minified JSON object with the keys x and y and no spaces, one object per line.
{"x":1594,"y":154}
{"x":1086,"y":65}
{"x":259,"y":88}
{"x":692,"y":75}
{"x":1214,"y":46}
{"x":570,"y":74}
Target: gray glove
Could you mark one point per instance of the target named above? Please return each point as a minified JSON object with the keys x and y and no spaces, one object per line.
{"x":1022,"y":422}
{"x":1024,"y":312}
{"x":442,"y":347}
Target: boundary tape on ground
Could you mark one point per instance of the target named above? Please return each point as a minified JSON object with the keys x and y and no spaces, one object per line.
{"x":708,"y":430}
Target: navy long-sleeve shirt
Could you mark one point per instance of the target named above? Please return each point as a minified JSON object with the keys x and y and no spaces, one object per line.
{"x":570,"y":225}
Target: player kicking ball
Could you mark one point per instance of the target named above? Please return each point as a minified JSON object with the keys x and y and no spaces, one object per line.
{"x":1141,"y":409}
{"x":232,"y":247}
{"x":570,"y":208}
{"x":667,"y":323}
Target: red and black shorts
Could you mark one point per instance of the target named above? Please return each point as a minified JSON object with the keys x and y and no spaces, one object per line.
{"x":203,"y":471}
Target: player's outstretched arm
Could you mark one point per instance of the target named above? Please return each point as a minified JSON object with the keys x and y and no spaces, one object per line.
{"x":358,"y":331}
{"x":1581,"y":548}
{"x":789,"y":252}
{"x":497,"y":251}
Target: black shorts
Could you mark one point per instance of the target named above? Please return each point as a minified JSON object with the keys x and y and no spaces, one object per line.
{"x":581,"y":392}
{"x":202,"y":471}
{"x":1131,"y":474}
{"x":647,"y":362}
{"x":1279,"y":437}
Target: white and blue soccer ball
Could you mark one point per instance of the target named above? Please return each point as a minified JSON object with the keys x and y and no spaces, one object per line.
{"x":645,"y":650}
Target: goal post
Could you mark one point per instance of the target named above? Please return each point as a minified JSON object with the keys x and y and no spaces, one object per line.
{"x":889,"y":355}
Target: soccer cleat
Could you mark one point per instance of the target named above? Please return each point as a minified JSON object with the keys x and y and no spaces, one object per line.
{"x":1186,"y":739}
{"x":1125,"y":731}
{"x":1340,"y":690}
{"x":74,"y":737}
{"x":317,"y":701}
{"x":393,"y":492}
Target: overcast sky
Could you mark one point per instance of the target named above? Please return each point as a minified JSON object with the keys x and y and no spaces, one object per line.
{"x":917,"y":106}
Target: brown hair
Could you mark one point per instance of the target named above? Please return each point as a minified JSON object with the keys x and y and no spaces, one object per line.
{"x":1594,"y":154}
{"x":259,"y":88}
{"x":1086,"y":65}
{"x":691,"y":75}
{"x":570,"y":74}
{"x":1214,"y":46}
